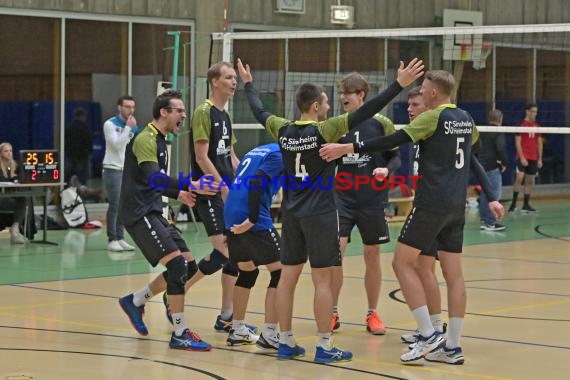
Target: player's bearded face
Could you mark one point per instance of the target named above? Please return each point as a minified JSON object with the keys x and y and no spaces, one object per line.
{"x":127,"y":108}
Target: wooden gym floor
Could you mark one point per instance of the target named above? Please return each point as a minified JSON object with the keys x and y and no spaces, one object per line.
{"x":59,"y":317}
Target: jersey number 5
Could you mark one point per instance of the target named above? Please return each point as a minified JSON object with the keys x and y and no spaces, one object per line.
{"x":460,"y":153}
{"x":300,"y":170}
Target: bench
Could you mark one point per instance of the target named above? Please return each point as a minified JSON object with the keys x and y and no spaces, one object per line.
{"x":403,"y":208}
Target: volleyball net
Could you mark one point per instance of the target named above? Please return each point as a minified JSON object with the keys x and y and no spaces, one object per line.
{"x":502,"y":67}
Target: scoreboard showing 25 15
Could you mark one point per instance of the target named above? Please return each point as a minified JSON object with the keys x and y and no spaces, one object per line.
{"x":39,"y":166}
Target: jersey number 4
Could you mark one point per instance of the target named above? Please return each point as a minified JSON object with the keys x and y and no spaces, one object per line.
{"x":300,"y":170}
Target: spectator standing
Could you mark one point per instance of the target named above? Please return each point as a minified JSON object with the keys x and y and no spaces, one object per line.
{"x":118,"y":131}
{"x":493,"y":157}
{"x":78,"y":146}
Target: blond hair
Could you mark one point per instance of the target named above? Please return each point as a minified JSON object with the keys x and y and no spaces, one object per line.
{"x":215,"y":71}
{"x":442,"y":79}
{"x":7,"y":165}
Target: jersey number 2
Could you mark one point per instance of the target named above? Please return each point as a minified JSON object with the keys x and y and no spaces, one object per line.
{"x":245,"y":163}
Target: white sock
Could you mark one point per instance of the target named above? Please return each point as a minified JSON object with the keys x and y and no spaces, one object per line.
{"x":141,"y":296}
{"x":179,"y":323}
{"x":287,"y":338}
{"x":226,"y":314}
{"x":270,"y":329}
{"x":421,"y":315}
{"x":437,"y":322}
{"x":335,"y":309}
{"x":370,"y":311}
{"x":238,"y":325}
{"x":324,"y":340}
{"x":455,"y":328}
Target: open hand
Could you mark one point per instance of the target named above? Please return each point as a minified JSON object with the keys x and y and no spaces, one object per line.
{"x":187,"y":198}
{"x":330,"y":152}
{"x":381,"y":173}
{"x":407,"y":75}
{"x":242,"y":227}
{"x":206,"y":185}
{"x":244,"y":72}
{"x":497,"y":209}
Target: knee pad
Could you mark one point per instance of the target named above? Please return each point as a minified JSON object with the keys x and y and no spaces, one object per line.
{"x":231,"y":269}
{"x":216,"y":262}
{"x":192,"y":268}
{"x":246,"y":279}
{"x":275,"y":276}
{"x":177,"y":275}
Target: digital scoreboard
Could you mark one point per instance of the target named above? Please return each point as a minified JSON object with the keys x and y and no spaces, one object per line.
{"x":39,"y":166}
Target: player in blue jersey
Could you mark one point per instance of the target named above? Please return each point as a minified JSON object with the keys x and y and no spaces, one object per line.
{"x":253,"y":240}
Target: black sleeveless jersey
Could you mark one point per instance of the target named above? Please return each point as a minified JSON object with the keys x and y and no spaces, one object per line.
{"x":137,"y":197}
{"x":362,"y":164}
{"x":309,"y":180}
{"x":444,"y":136}
{"x":213,"y":125}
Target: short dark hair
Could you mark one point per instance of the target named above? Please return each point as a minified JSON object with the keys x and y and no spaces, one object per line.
{"x":163,"y":101}
{"x":80,"y":113}
{"x":531,"y":105}
{"x":495,"y":116}
{"x":123,"y":98}
{"x":416,"y":91}
{"x":307,"y":94}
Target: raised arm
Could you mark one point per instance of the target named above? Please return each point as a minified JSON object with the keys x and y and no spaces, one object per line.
{"x":261,"y":115}
{"x":406,"y":76}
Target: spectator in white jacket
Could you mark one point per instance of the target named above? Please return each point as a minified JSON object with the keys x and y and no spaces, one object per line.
{"x":118,"y":131}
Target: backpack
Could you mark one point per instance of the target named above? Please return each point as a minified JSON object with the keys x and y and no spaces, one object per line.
{"x":73,"y":208}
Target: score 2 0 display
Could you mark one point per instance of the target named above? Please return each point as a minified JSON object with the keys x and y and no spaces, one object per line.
{"x":39,"y":166}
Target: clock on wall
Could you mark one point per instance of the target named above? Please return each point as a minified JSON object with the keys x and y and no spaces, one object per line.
{"x":290,"y":6}
{"x":39,"y":166}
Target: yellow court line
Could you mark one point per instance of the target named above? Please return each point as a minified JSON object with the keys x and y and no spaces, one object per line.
{"x":454,"y":374}
{"x":525,"y":307}
{"x":63,"y":321}
{"x":58,"y":303}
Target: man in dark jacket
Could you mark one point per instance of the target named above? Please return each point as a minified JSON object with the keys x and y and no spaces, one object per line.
{"x":493,"y":157}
